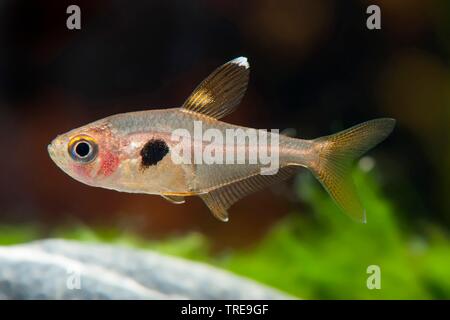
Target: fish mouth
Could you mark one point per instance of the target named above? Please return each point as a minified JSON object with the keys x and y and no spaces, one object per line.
{"x":51,"y":151}
{"x":55,"y":155}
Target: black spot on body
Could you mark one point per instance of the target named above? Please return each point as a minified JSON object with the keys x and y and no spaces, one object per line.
{"x":153,"y":152}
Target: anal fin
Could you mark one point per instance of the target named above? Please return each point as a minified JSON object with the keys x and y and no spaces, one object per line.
{"x":220,"y":199}
{"x":214,"y":202}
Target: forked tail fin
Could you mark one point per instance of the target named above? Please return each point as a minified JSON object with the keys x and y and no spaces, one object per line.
{"x":336,"y":154}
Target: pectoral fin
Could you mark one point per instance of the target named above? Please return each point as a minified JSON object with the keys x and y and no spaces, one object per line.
{"x":174,"y":199}
{"x":220,"y":93}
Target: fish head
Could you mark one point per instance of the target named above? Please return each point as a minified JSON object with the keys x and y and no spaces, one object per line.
{"x":89,"y":154}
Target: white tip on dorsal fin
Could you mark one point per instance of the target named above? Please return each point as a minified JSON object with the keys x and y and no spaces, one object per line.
{"x":241,"y":61}
{"x":220,"y":93}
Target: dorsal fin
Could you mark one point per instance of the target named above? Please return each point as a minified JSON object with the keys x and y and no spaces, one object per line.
{"x":289,"y":132}
{"x":220,"y":199}
{"x":220,"y":93}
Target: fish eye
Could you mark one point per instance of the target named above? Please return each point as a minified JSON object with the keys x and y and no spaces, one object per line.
{"x":83,"y":149}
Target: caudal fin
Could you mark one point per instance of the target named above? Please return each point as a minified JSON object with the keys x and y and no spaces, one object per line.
{"x":336,"y":154}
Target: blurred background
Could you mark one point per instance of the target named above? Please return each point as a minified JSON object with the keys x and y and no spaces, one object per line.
{"x":315,"y":67}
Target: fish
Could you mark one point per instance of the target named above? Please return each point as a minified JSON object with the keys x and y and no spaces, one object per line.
{"x":135,"y":152}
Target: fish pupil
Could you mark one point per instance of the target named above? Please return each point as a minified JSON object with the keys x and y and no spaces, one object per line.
{"x":153,"y":152}
{"x":82,"y":149}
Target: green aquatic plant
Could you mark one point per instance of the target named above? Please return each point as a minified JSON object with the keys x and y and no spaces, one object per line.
{"x":318,"y":253}
{"x":328,"y":256}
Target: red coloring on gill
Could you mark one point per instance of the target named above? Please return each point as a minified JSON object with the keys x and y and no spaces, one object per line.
{"x":109,"y":163}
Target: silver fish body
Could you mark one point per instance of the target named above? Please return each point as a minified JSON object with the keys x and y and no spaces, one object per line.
{"x":134,"y":129}
{"x":135,"y":152}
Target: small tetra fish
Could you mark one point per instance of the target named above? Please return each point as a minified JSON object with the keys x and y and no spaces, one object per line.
{"x":134,"y":152}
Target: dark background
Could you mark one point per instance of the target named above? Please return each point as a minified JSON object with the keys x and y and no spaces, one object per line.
{"x":315,"y":67}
